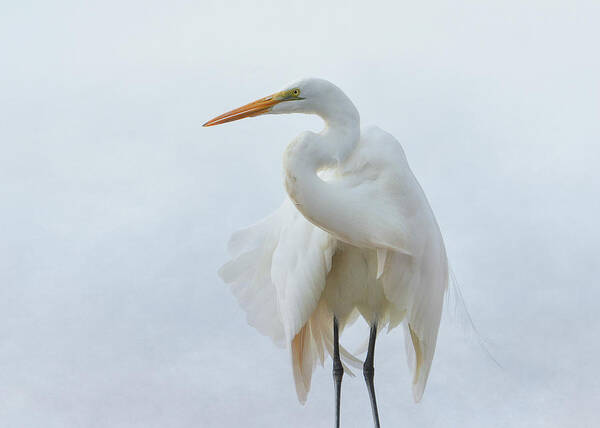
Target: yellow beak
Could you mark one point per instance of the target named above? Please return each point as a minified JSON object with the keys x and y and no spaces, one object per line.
{"x":255,"y":108}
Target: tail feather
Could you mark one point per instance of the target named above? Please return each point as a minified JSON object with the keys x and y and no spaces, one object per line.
{"x":308,"y":347}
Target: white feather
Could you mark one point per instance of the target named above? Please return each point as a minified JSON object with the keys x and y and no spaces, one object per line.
{"x":278,"y":275}
{"x":374,"y":202}
{"x":357,"y":236}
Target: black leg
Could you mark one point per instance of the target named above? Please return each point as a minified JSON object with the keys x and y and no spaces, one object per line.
{"x":338,"y":371}
{"x":369,"y":372}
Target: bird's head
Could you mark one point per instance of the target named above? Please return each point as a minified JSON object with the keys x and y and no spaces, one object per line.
{"x":310,"y":96}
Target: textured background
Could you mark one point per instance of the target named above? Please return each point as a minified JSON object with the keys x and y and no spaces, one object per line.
{"x":116,"y":205}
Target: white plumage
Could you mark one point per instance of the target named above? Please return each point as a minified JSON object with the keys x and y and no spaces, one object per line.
{"x":356,"y":236}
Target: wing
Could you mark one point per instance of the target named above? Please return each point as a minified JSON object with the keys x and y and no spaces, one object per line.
{"x":249,"y":274}
{"x":277,"y":273}
{"x":416,"y":285}
{"x":301,"y":263}
{"x":415,"y":280}
{"x":372,"y":200}
{"x":364,"y":200}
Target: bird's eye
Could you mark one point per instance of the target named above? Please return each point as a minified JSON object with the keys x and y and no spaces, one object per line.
{"x":296,"y":92}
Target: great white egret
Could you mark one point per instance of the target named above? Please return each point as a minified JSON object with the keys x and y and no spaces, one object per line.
{"x":356,"y":236}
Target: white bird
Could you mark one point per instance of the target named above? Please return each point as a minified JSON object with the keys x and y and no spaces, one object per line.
{"x":356,"y":236}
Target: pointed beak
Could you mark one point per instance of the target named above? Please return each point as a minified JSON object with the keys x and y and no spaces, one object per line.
{"x":255,"y":108}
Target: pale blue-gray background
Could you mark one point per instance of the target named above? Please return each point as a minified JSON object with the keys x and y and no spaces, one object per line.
{"x":116,"y":205}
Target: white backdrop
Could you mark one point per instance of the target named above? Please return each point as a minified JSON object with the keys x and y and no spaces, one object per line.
{"x":116,"y":205}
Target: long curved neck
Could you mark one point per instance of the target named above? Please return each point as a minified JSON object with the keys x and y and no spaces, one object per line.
{"x":309,"y":153}
{"x":340,"y":135}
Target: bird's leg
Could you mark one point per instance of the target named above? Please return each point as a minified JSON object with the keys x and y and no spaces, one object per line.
{"x":369,"y":372}
{"x":338,"y":371}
